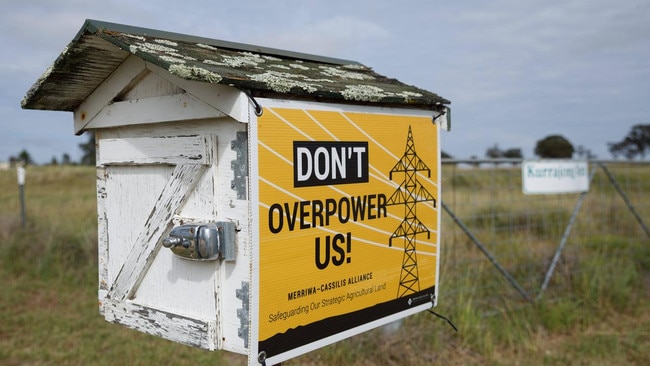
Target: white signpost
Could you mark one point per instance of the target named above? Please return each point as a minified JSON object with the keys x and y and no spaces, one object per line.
{"x":554,"y":176}
{"x":21,"y":175}
{"x":21,"y":186}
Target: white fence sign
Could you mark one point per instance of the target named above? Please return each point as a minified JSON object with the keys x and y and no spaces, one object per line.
{"x":557,"y":176}
{"x":21,"y":175}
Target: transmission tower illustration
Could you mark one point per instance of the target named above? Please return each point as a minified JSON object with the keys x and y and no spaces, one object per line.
{"x":409,"y":194}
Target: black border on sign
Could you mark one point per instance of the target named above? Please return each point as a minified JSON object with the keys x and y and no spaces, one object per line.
{"x":303,"y":335}
{"x":313,"y":145}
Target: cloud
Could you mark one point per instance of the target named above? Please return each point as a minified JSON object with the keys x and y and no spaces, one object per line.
{"x":507,"y":47}
{"x":337,"y":36}
{"x":514,"y":70}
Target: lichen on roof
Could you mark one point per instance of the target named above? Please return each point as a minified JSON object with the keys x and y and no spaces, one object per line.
{"x":283,"y":82}
{"x":101,"y":47}
{"x":194,"y":73}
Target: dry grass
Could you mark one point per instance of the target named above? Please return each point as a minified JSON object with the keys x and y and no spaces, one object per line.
{"x":596,"y":310}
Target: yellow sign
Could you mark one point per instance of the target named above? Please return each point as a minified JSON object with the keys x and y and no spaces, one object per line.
{"x":348,"y":221}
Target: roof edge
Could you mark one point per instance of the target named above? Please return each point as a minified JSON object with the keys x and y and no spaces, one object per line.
{"x":93,"y":26}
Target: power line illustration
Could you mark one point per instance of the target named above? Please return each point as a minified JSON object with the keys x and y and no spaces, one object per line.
{"x":409,"y":194}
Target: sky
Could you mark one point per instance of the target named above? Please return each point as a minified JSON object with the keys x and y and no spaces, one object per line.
{"x":515,"y":71}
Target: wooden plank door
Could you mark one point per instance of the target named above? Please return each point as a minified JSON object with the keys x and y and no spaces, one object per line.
{"x":144,"y":186}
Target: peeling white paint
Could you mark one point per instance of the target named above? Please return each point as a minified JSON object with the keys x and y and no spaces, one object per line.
{"x":194,"y":73}
{"x":279,"y":66}
{"x":334,"y":71}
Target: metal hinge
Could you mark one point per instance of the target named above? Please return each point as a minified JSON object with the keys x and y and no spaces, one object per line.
{"x":243,"y":312}
{"x":239,"y":166}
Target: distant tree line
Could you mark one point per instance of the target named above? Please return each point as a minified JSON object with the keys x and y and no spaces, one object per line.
{"x":88,"y":156}
{"x":88,"y":149}
{"x":635,"y":144}
{"x":495,"y":152}
{"x":22,"y":157}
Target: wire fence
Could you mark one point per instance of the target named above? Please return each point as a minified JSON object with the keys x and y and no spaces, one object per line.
{"x":502,"y":247}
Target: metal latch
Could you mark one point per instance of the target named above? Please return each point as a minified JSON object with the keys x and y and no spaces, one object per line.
{"x":205,"y":241}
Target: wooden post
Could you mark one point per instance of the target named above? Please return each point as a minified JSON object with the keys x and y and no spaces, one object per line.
{"x":21,"y":186}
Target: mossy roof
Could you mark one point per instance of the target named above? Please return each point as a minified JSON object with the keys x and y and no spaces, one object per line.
{"x":100,"y":47}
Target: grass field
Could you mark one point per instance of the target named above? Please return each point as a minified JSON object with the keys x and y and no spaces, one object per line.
{"x":49,"y":315}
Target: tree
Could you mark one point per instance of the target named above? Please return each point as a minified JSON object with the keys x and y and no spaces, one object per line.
{"x":444,"y":155}
{"x":513,"y":153}
{"x":89,"y":156}
{"x":24,"y":157}
{"x":634,"y":144}
{"x":554,"y":147}
{"x":65,"y":159}
{"x":475,"y":164}
{"x":494,"y":152}
{"x":585,"y":153}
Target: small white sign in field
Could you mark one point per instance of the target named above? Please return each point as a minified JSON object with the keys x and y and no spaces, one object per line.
{"x":552,"y":177}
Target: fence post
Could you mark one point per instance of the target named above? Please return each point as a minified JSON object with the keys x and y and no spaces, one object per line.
{"x":21,"y":187}
{"x":565,"y":237}
{"x":482,"y":248}
{"x":624,"y":196}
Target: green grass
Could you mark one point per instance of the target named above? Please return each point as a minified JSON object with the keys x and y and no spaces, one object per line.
{"x":595,"y":311}
{"x":48,"y":303}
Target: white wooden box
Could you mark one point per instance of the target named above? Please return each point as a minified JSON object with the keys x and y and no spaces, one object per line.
{"x":152,"y":177}
{"x":326,"y":175}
